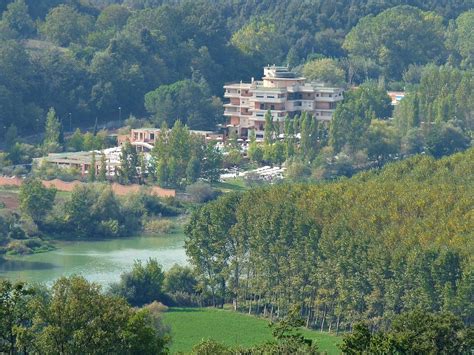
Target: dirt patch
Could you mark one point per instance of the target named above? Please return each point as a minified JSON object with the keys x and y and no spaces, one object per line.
{"x":10,"y":201}
{"x":69,"y":186}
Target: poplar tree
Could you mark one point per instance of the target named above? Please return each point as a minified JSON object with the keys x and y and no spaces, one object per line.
{"x":305,"y":131}
{"x":128,"y":163}
{"x":92,"y":169}
{"x":289,"y":137}
{"x":103,"y":168}
{"x":52,"y":132}
{"x":268,"y":129}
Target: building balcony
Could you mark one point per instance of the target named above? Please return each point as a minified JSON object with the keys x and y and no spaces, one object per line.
{"x":334,"y":98}
{"x":323,"y":115}
{"x":228,"y":112}
{"x":300,"y":105}
{"x":231,"y":95}
{"x":264,"y":111}
{"x":260,"y":116}
{"x":270,"y":100}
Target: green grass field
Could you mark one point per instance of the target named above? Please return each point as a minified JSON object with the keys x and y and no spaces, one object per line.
{"x":235,"y":184}
{"x":190,"y":325}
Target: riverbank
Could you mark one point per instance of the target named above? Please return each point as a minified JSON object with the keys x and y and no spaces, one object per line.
{"x":101,"y":261}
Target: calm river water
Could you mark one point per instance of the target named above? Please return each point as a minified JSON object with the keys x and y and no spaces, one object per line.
{"x":99,"y":261}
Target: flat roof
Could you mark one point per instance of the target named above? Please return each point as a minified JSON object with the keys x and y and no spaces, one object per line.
{"x":237,"y":85}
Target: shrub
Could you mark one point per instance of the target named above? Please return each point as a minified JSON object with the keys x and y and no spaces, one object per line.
{"x":159,"y":226}
{"x":209,"y":346}
{"x":17,"y":248}
{"x":201,"y":192}
{"x":180,"y":279}
{"x":142,"y":285}
{"x":183,"y":299}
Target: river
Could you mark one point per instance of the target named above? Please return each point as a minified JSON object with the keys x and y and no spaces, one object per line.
{"x":99,"y":261}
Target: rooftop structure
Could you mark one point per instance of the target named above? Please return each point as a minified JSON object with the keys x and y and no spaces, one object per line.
{"x":280,"y":91}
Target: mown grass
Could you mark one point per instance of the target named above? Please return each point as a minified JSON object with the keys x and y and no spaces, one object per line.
{"x":235,"y":184}
{"x":190,"y":325}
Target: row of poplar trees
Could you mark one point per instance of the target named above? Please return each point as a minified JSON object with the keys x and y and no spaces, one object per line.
{"x":366,"y":248}
{"x":300,"y":136}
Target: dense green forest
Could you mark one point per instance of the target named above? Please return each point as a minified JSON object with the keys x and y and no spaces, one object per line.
{"x":168,"y":59}
{"x":367,"y":248}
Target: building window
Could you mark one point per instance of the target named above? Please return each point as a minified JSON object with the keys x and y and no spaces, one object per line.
{"x":272,"y":107}
{"x":152,"y":136}
{"x":262,"y":107}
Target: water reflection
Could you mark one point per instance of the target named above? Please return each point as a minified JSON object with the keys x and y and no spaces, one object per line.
{"x":98,"y":261}
{"x":22,"y":265}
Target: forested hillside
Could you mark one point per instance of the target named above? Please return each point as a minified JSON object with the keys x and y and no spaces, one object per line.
{"x":366,"y":248}
{"x":99,"y":58}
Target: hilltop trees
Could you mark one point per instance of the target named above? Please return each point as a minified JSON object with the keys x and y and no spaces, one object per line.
{"x":461,"y":39}
{"x":398,"y":37}
{"x":17,"y":20}
{"x":324,"y":70}
{"x":185,"y":100}
{"x":259,"y":38}
{"x":89,"y":59}
{"x":65,"y":25}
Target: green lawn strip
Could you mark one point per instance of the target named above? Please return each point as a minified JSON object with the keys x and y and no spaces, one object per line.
{"x":235,"y":184}
{"x":190,"y":325}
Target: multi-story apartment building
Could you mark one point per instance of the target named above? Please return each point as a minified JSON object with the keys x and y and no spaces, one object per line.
{"x":280,"y":91}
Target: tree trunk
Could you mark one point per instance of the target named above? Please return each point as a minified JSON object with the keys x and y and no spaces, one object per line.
{"x":337,"y":324}
{"x":308,"y":317}
{"x":323,"y":319}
